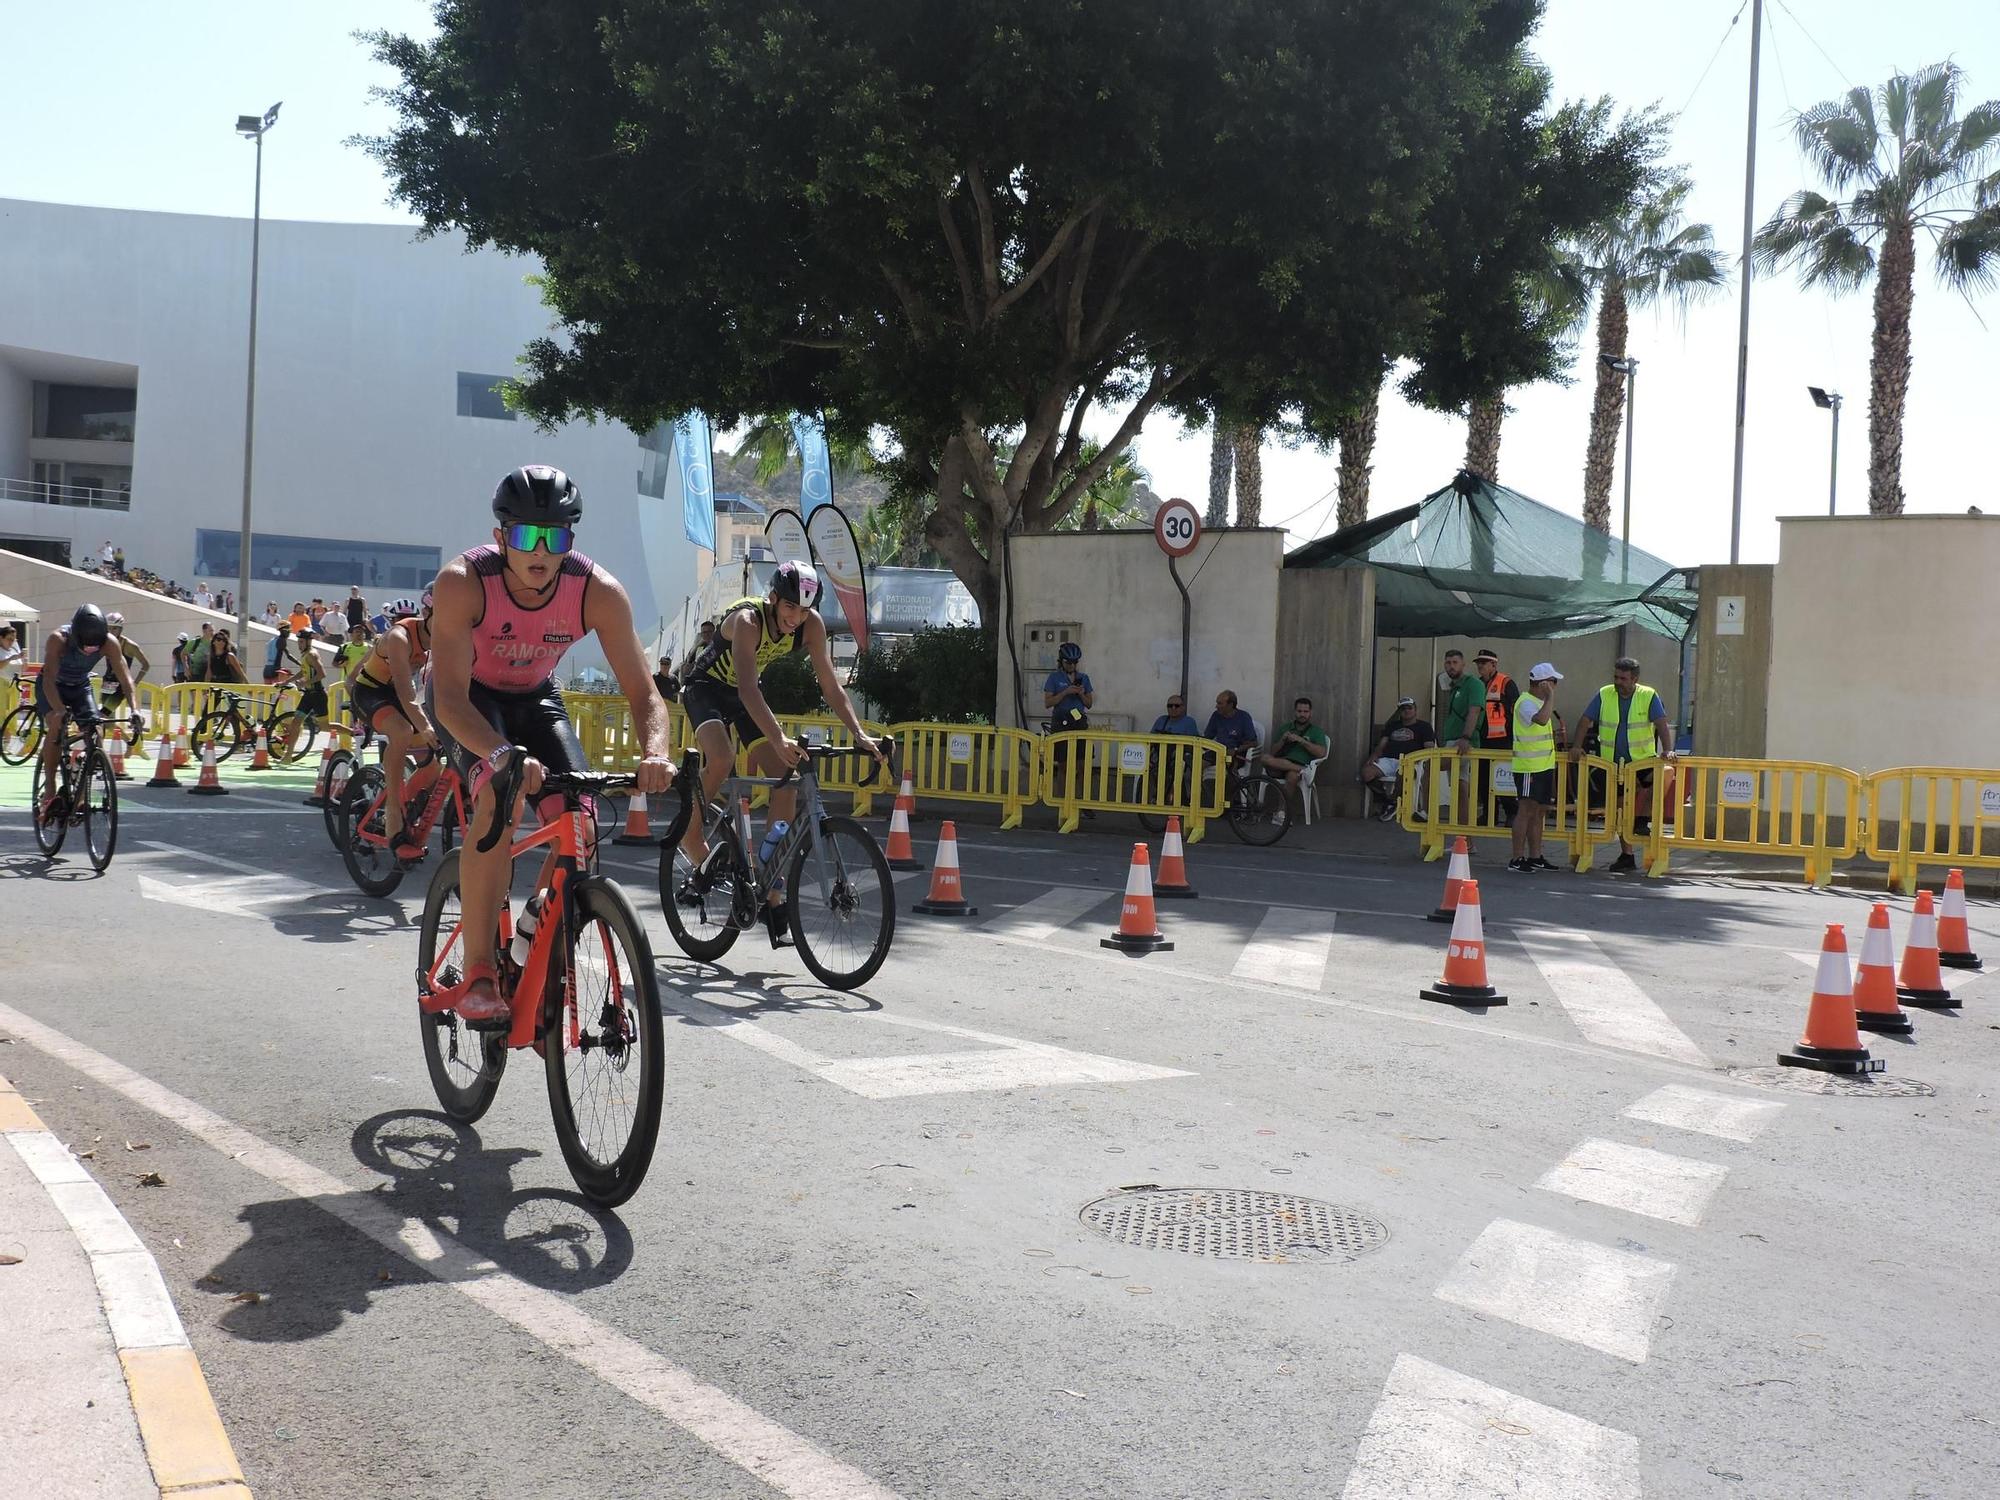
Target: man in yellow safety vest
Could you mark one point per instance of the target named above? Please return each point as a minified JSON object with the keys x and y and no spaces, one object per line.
{"x":1534,"y":766}
{"x":1632,"y":726}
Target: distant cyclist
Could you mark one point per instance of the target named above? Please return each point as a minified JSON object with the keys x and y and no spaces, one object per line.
{"x":386,"y":699}
{"x":505,"y":616}
{"x":721,"y":692}
{"x":134,"y":654}
{"x":62,"y":690}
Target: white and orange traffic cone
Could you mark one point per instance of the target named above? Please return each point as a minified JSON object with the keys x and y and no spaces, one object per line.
{"x":1138,"y":929}
{"x":1464,"y":981}
{"x":1921,"y":979}
{"x":1832,"y":1043}
{"x":1875,"y":1007}
{"x":1954,"y":936}
{"x":183,"y":751}
{"x":1457,"y":871}
{"x":901,"y":855}
{"x":260,"y":759}
{"x":1173,"y":879}
{"x":163,"y":763}
{"x":318,"y":797}
{"x":638,"y":826}
{"x":114,"y":751}
{"x":210,"y":784}
{"x":947,"y":893}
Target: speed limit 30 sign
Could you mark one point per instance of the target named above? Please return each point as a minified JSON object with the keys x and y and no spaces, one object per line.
{"x":1177,"y":527}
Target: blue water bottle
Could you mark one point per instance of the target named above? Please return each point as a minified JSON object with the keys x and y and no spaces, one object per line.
{"x":773,"y":836}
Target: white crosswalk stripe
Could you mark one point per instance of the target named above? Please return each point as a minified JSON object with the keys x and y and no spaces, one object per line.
{"x":1709,"y":1113}
{"x":1047,"y":914}
{"x":1607,"y":1007}
{"x":1637,"y":1180}
{"x":1557,"y":1284}
{"x":1290,"y":947}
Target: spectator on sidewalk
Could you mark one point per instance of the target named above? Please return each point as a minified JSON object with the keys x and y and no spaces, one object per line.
{"x":281,"y":656}
{"x":298,"y":620}
{"x":703,"y":637}
{"x":1180,"y":763}
{"x":118,"y":561}
{"x":1067,"y":694}
{"x":1176,"y":720}
{"x":1640,"y":734}
{"x":1495,"y":725}
{"x":357,"y":609}
{"x":181,"y":657}
{"x":203,"y":599}
{"x":107,"y":554}
{"x":10,"y":650}
{"x":350,"y":654}
{"x":1534,"y":746}
{"x":270,"y":617}
{"x":1463,"y":696}
{"x":1404,"y":734}
{"x":223,"y":663}
{"x":665,"y":680}
{"x":197,"y":653}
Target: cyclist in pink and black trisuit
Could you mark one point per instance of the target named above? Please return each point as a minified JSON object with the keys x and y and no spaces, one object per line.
{"x":503,"y":617}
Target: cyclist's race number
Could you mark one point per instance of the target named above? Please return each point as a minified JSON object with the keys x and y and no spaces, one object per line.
{"x":1177,"y":527}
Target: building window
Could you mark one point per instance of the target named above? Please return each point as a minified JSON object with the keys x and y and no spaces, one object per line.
{"x":89,"y":412}
{"x":313,"y":564}
{"x":479,"y":396}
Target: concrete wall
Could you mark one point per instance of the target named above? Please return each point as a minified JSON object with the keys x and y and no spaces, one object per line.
{"x":1115,"y":585}
{"x":16,"y":419}
{"x":1882,"y":639}
{"x":1733,"y":671}
{"x":1326,"y":635}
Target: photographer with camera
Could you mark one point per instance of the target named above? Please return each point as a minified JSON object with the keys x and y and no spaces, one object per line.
{"x":1067,"y":695}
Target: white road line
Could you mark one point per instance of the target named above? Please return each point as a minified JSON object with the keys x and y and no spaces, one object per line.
{"x":790,"y":1464}
{"x":1601,"y":998}
{"x":1046,"y":914}
{"x":1290,"y":948}
{"x":1440,"y":1435}
{"x":1636,"y":1179}
{"x":180,"y":851}
{"x":1954,"y":979}
{"x":1711,"y":1114}
{"x":1557,"y":1284}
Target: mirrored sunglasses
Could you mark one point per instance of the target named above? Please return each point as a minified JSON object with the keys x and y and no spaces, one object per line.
{"x":526,"y":536}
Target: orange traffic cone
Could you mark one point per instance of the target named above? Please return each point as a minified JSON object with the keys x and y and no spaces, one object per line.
{"x":1456,"y":872}
{"x":1138,"y":930}
{"x":1875,"y":1007}
{"x":947,"y":894}
{"x":638,"y":827}
{"x":1954,"y":937}
{"x":318,"y":797}
{"x":901,"y":855}
{"x":163,"y":764}
{"x":210,"y":784}
{"x":1173,"y":879}
{"x":183,"y":752}
{"x":1464,"y":981}
{"x":114,"y":751}
{"x":260,"y":759}
{"x":1832,"y":1042}
{"x":1921,"y":981}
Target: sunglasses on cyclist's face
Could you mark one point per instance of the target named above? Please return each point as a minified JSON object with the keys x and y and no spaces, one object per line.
{"x":526,"y":536}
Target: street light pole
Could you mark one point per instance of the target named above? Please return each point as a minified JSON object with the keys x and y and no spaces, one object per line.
{"x":1830,"y":401}
{"x":1743,"y":269}
{"x":253,"y":128}
{"x":1629,"y":368}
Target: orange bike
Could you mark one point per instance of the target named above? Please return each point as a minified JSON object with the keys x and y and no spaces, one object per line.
{"x":365,"y":845}
{"x":578,"y":974}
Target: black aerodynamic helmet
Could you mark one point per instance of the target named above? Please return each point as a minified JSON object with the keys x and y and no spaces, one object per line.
{"x":87,"y":626}
{"x":537,"y":495}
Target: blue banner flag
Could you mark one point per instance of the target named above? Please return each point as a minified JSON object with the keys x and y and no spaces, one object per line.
{"x":693,"y":459}
{"x":815,"y":464}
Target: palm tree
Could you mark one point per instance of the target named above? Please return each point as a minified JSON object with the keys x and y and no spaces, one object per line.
{"x":1109,"y":501}
{"x":1221,"y":465}
{"x":1356,"y":433}
{"x":1249,"y":475}
{"x":1645,"y":256}
{"x":1908,"y":161}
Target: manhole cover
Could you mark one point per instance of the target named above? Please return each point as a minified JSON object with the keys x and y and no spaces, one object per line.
{"x":1235,"y":1224}
{"x":1812,"y":1081}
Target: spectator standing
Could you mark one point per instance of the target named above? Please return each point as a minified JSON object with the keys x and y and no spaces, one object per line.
{"x":181,"y":657}
{"x":1404,"y":734}
{"x":665,"y":680}
{"x":1640,"y":734}
{"x":352,"y":652}
{"x":702,"y":639}
{"x":118,"y":561}
{"x":270,"y":618}
{"x":10,"y":650}
{"x":197,"y":653}
{"x":1067,"y":694}
{"x":107,"y":554}
{"x":223,"y":663}
{"x":357,"y":610}
{"x":203,"y":599}
{"x":1534,"y":766}
{"x":1300,"y":744}
{"x":1496,"y":726}
{"x":299,"y":621}
{"x":279,"y":656}
{"x":1463,"y":696}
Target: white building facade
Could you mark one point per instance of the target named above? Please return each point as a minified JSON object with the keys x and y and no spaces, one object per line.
{"x":379,"y":438}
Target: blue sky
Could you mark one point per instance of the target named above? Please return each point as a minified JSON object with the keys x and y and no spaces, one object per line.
{"x":148,"y":125}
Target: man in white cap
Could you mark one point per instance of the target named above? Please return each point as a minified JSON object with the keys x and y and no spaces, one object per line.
{"x":1534,"y":766}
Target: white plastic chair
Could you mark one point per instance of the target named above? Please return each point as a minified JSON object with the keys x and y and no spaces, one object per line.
{"x":1308,"y":773}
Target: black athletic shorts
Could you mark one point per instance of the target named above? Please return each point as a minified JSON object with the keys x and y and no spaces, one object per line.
{"x":312,"y":701}
{"x":535,"y":720}
{"x":705,"y":700}
{"x":1537,"y":786}
{"x":367,"y":699}
{"x":76,"y":701}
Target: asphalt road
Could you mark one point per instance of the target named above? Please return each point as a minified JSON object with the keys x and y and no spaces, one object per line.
{"x":1597,"y":1261}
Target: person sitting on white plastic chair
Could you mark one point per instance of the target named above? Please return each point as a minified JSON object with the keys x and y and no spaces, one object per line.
{"x":1296,"y":755}
{"x":1404,"y":734}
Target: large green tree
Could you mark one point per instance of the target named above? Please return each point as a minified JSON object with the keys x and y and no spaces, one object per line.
{"x":1025,"y":220}
{"x":1907,"y":161}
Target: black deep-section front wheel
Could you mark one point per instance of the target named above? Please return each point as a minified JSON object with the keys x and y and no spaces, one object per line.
{"x":699,"y":904}
{"x":604,"y":1046}
{"x":844,"y":922}
{"x":465,"y":1065}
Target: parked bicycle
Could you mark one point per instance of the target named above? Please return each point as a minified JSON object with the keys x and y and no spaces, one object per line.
{"x":429,"y":802}
{"x":234,"y":723}
{"x":86,"y":797}
{"x":578,"y":974}
{"x":842,"y":899}
{"x":21,"y":730}
{"x":1256,"y":809}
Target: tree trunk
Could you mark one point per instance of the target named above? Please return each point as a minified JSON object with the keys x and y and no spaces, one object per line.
{"x":1249,"y":476}
{"x":1606,"y":411}
{"x":1482,"y":437}
{"x":1357,"y":460}
{"x":1089,"y":522}
{"x":1221,"y":463}
{"x":1889,"y":370}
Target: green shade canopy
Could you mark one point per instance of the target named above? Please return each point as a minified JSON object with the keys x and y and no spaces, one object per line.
{"x":1478,"y":559}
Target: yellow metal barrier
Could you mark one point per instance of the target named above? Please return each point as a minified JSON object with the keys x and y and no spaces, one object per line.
{"x":971,"y":763}
{"x":1104,"y":770}
{"x":1448,"y":793}
{"x":1790,"y":809}
{"x":1937,"y":815}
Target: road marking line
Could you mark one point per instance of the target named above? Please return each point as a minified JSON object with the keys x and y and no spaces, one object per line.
{"x":1290,"y":947}
{"x":1440,"y":1435}
{"x":1601,"y":998}
{"x":1557,"y":1284}
{"x":787,"y":1462}
{"x":1046,"y":914}
{"x":1636,"y":1179}
{"x":1684,"y":1108}
{"x":1954,"y":979}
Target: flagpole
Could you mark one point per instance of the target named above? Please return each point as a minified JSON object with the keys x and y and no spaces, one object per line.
{"x":1743,"y":272}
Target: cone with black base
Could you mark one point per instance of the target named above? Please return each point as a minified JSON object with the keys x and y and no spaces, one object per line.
{"x":1920,"y":982}
{"x":947,"y":893}
{"x":1954,"y":935}
{"x":260,"y":758}
{"x":163,"y":764}
{"x":1173,"y":879}
{"x":638,"y":827}
{"x":1464,"y":981}
{"x":1457,"y":871}
{"x":1875,"y":1007}
{"x":114,"y":751}
{"x":210,"y":784}
{"x":1832,"y":1043}
{"x":899,"y":853}
{"x":1138,"y":929}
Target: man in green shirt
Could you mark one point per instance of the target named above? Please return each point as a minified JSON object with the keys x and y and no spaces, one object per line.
{"x":1301,"y":744}
{"x":1464,"y":714}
